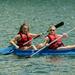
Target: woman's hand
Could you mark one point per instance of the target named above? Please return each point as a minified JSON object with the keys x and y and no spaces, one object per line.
{"x":17,"y":46}
{"x":65,"y":35}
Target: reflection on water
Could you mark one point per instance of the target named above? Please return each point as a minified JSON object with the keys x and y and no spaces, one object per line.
{"x":54,"y":59}
{"x":38,"y":65}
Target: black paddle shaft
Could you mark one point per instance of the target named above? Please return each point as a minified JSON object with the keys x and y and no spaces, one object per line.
{"x":59,"y":24}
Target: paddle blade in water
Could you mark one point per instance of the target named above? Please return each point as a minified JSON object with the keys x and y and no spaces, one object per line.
{"x":7,"y":50}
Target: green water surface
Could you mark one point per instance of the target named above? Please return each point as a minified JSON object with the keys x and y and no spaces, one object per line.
{"x":39,"y":14}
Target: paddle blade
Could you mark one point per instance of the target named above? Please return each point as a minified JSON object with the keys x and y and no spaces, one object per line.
{"x":7,"y":50}
{"x":59,"y":24}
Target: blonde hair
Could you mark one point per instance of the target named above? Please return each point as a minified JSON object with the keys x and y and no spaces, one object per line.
{"x":52,"y":26}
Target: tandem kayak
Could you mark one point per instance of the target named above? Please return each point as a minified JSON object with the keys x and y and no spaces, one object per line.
{"x":44,"y":52}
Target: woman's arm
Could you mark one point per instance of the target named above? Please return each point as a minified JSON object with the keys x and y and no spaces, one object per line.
{"x":64,"y":35}
{"x":46,"y":40}
{"x":35,"y":35}
{"x":14,"y":41}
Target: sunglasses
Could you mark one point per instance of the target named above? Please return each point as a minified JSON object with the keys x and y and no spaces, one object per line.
{"x":52,"y":30}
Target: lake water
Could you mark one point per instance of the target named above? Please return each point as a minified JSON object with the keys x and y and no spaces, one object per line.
{"x":39,"y":14}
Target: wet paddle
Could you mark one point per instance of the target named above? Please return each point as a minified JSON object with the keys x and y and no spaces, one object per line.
{"x":51,"y":43}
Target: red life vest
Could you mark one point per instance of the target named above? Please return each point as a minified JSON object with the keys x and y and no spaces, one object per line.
{"x":24,"y":39}
{"x":56,"y":44}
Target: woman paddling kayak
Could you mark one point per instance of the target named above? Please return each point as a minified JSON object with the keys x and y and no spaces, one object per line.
{"x":23,"y":37}
{"x":51,"y":37}
{"x":58,"y":44}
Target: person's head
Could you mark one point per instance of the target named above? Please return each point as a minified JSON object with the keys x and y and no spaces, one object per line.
{"x":24,"y":28}
{"x":52,"y":29}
